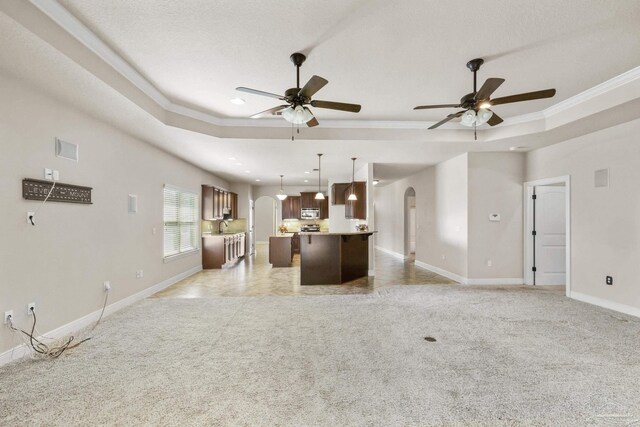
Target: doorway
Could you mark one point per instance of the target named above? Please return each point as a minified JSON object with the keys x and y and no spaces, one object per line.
{"x":410,"y":224}
{"x":264,"y":219}
{"x":547,"y":232}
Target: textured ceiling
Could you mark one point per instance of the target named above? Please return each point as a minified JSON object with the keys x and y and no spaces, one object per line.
{"x":388,"y":56}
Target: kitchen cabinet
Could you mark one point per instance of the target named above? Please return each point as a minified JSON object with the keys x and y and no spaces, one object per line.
{"x":291,"y":207}
{"x":338,"y":192}
{"x":308,"y":200}
{"x":215,"y":200}
{"x":219,"y":250}
{"x":295,"y":243}
{"x":356,"y":209}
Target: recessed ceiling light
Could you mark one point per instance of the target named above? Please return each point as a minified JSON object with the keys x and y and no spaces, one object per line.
{"x":306,"y":180}
{"x":516,"y":148}
{"x":307,"y":172}
{"x":257,"y":180}
{"x":247,"y":171}
{"x":376,"y":181}
{"x":238,"y":164}
{"x":237,"y":101}
{"x":232,"y":158}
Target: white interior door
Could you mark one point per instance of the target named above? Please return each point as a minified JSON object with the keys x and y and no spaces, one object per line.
{"x":550,"y":240}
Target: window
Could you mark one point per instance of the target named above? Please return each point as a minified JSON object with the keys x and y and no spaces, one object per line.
{"x":180,"y":221}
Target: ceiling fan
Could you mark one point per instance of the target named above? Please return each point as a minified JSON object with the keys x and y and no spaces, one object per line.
{"x":295,"y":110}
{"x":477,"y":103}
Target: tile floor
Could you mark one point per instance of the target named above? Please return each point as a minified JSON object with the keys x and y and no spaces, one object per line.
{"x":254,"y":276}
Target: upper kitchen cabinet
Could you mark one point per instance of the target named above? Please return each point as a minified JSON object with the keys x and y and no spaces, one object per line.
{"x":291,"y":207}
{"x":308,"y":200}
{"x":356,"y":209}
{"x":337,"y":192}
{"x":214,"y":202}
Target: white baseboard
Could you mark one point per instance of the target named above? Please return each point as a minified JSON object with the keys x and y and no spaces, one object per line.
{"x":442,"y":272}
{"x":467,"y":281}
{"x":75,"y":325}
{"x":622,"y":308}
{"x":496,"y":281}
{"x":390,"y":252}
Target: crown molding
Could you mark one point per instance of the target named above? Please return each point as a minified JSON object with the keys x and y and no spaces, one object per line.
{"x":68,"y":22}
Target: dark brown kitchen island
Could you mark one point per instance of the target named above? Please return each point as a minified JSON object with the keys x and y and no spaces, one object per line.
{"x":333,"y":258}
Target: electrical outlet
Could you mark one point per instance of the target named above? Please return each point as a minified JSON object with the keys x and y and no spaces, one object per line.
{"x":31,"y":307}
{"x":8,"y":314}
{"x":56,"y":175}
{"x":30,"y":218}
{"x":609,"y":280}
{"x":48,"y":174}
{"x":107,"y":286}
{"x":139,"y":274}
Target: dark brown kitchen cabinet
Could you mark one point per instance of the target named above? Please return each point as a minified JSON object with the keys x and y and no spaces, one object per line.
{"x":356,"y":209}
{"x":324,"y":208}
{"x":308,"y":200}
{"x":291,"y":207}
{"x":338,"y":192}
{"x":215,"y":200}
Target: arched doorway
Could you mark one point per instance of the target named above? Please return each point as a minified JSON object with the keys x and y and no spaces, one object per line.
{"x":264,"y":220}
{"x":410,"y":224}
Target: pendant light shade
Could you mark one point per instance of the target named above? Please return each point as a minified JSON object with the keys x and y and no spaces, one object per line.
{"x":319,"y":195}
{"x":281,"y":195}
{"x":353,"y":196}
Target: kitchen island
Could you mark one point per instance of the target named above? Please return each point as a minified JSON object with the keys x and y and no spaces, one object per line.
{"x":333,"y":258}
{"x":281,"y":250}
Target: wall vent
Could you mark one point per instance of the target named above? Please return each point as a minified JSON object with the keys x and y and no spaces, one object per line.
{"x":601,"y":178}
{"x":66,"y":150}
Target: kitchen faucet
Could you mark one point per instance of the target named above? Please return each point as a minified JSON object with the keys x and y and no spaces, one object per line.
{"x":220,"y":226}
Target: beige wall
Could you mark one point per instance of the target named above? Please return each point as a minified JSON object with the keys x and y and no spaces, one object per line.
{"x":605,"y":222}
{"x":62,"y":262}
{"x":495,"y":186}
{"x":441,"y":215}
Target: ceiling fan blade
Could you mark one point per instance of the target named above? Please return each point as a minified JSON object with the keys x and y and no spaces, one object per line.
{"x":353,"y":108}
{"x":494,"y":120}
{"x":528,"y":96}
{"x":313,"y":122}
{"x":314,"y":84}
{"x":427,"y":107}
{"x":261,"y":93}
{"x":269,"y":112}
{"x":446,"y":119}
{"x":488,"y":88}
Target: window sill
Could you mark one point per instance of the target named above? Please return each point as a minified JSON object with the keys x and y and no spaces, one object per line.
{"x":180,"y":255}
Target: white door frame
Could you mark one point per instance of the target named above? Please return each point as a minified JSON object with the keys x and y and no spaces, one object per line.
{"x":528,"y":222}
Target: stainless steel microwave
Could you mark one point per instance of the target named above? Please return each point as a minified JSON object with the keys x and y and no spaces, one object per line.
{"x":310,"y":213}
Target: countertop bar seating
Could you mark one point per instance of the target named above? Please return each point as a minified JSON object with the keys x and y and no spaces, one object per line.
{"x":333,"y":258}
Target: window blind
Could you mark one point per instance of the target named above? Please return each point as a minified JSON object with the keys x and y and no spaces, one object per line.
{"x":180,"y":221}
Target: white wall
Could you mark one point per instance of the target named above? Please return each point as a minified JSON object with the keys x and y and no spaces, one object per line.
{"x":495,"y":186}
{"x":61,"y":263}
{"x":605,"y":222}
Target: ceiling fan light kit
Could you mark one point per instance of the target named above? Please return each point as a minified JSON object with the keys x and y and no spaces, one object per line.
{"x":295,"y":110}
{"x":476,"y":105}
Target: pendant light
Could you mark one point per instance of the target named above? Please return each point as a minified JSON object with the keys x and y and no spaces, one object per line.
{"x":319,"y":195}
{"x":281,"y":195}
{"x":353,"y":196}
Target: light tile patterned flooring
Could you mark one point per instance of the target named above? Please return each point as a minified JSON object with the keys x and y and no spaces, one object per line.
{"x":254,"y":276}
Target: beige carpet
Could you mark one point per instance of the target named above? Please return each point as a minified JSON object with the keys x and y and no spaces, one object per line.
{"x":511,"y":356}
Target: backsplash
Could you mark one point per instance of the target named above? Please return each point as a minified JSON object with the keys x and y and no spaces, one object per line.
{"x":236,"y":226}
{"x":294,"y":225}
